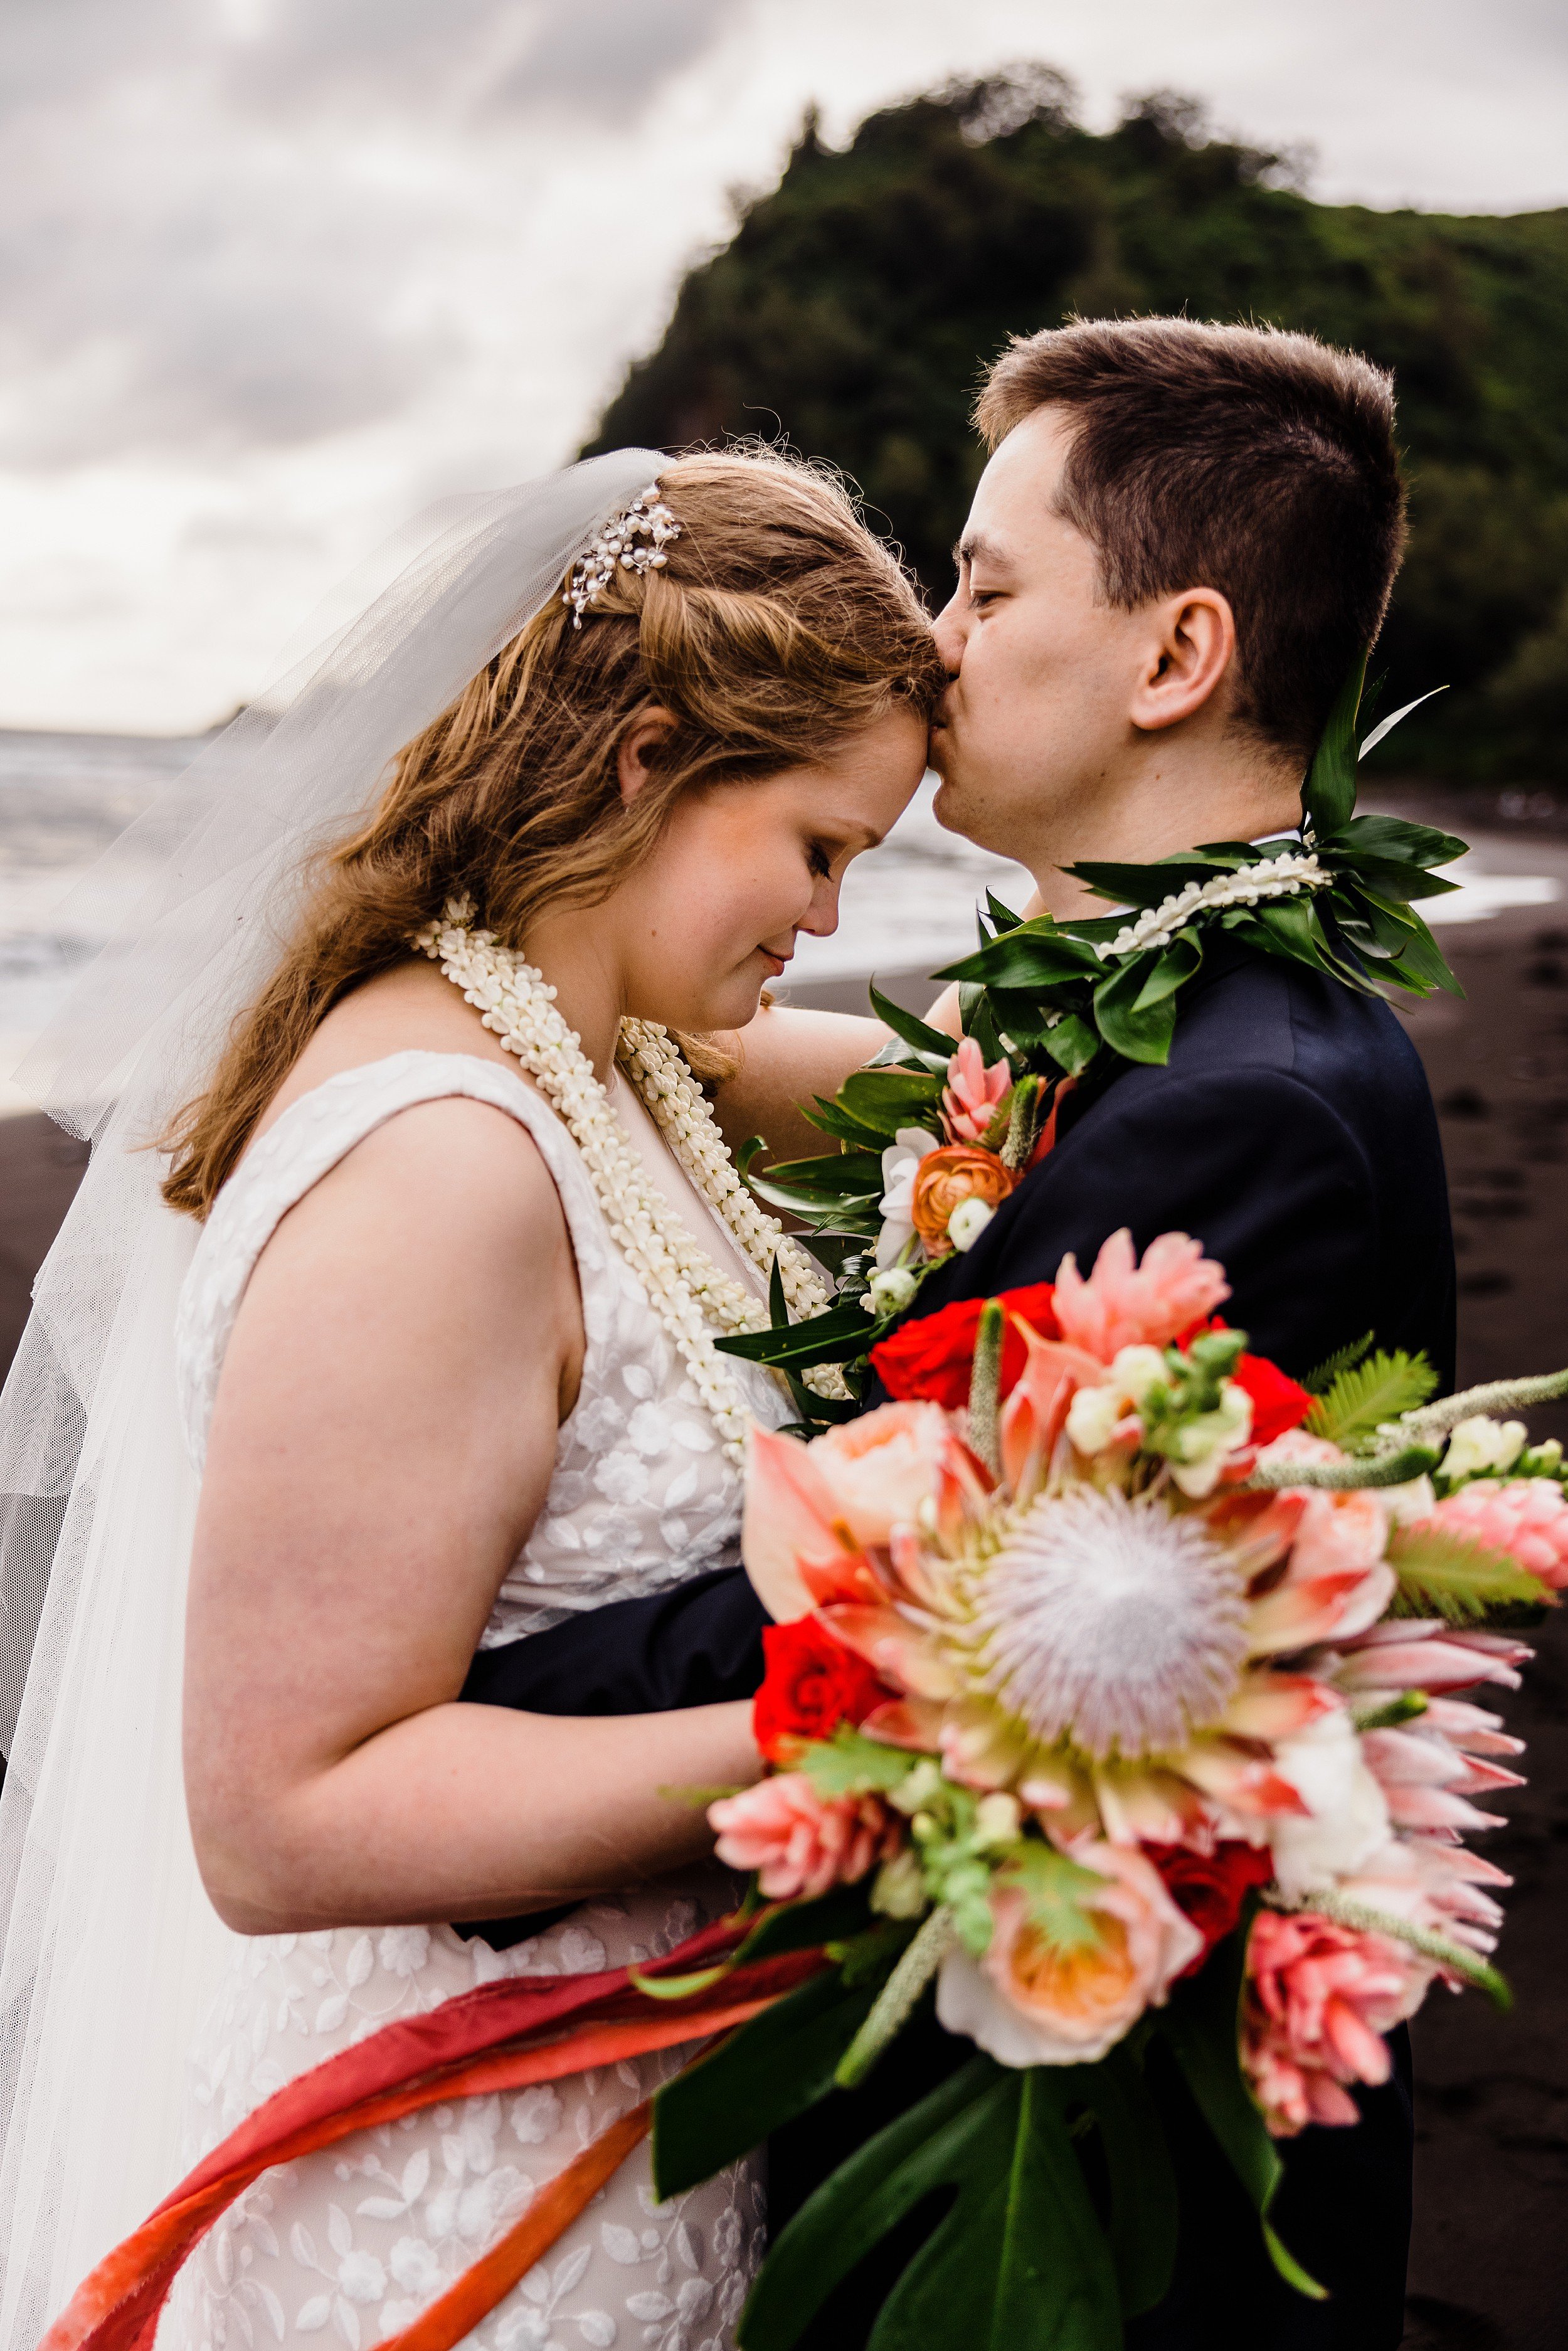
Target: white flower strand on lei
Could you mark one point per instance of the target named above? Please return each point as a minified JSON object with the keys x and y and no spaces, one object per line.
{"x":1277,"y":877}
{"x":686,"y":1290}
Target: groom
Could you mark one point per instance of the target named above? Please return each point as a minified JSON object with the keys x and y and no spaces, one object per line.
{"x":1184,"y":538}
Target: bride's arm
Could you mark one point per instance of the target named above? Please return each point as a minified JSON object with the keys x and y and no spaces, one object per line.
{"x":382,"y":1442}
{"x":785,"y":1057}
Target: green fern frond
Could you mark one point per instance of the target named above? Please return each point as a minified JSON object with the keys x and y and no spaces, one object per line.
{"x":1322,"y":1377}
{"x":1360,"y":1399}
{"x":1442,"y":1575}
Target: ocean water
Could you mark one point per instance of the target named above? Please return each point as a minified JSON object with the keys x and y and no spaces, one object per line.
{"x":64,"y":797}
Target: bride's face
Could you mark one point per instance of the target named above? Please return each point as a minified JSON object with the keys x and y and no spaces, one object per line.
{"x":712,"y":913}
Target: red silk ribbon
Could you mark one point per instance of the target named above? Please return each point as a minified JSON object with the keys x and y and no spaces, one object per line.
{"x":520,"y":2030}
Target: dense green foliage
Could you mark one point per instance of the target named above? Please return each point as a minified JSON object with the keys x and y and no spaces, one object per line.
{"x":856,"y":304}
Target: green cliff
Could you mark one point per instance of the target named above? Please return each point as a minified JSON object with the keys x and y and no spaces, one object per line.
{"x":855,"y":305}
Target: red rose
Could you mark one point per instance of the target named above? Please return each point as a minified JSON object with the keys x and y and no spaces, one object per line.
{"x":813,"y":1683}
{"x":1277,"y":1404}
{"x":931,"y":1360}
{"x":1211,"y":1887}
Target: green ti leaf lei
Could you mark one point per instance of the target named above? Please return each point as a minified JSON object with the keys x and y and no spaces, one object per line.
{"x":1082,"y":999}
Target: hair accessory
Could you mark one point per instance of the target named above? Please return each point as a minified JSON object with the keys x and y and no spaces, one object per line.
{"x":647,"y":518}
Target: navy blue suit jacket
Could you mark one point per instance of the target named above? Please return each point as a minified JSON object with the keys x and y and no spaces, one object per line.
{"x":1293,"y":1133}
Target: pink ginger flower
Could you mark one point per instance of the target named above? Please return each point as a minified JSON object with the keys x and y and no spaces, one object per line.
{"x":800,"y":1843}
{"x":1526,"y":1517}
{"x":971,"y":1096}
{"x":1126,"y":1304}
{"x":1320,"y":1996}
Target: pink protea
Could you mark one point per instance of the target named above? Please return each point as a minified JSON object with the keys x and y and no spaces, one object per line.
{"x":1320,"y":1996}
{"x":799,"y":1842}
{"x":1124,"y":1304}
{"x":1527,"y":1517}
{"x":971,"y":1096}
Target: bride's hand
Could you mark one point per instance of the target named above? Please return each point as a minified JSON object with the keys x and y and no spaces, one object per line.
{"x":382,"y":1441}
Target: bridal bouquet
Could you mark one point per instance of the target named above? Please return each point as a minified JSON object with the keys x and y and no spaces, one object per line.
{"x":1114,"y":1685}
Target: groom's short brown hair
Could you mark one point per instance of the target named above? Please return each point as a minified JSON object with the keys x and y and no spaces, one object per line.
{"x":1240,"y":458}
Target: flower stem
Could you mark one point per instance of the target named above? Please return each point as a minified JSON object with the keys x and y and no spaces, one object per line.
{"x":1343,"y":1476}
{"x":897,"y":1997}
{"x":986,"y":1386}
{"x":1496,"y":1396}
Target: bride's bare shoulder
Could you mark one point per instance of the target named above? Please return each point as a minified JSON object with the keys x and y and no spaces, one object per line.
{"x":409,"y":1009}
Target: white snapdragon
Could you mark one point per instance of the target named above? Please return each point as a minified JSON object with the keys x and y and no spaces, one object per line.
{"x":900,"y":1165}
{"x":1481,"y":1445}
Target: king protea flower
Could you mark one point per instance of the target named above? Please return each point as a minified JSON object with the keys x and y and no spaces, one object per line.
{"x":1125,"y":1664}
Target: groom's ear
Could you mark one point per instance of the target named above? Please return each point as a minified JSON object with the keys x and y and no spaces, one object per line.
{"x":640,"y":748}
{"x":1190,"y":651}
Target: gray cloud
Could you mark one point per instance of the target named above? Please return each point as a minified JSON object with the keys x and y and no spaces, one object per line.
{"x":199,"y":258}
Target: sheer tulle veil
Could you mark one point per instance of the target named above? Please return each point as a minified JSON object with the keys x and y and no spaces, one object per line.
{"x":111,"y":1948}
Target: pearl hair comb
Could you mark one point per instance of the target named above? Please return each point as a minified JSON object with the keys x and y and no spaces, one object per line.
{"x":647,"y":519}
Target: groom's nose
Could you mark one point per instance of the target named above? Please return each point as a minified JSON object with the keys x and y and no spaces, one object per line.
{"x":951,"y":630}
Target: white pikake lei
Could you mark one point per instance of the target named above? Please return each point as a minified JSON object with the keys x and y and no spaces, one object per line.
{"x":687,"y":1291}
{"x":1275,"y":877}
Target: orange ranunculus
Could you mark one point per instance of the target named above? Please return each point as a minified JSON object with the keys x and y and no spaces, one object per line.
{"x":959,"y":1170}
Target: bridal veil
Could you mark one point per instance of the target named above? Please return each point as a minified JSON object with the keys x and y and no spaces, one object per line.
{"x":110,"y":1948}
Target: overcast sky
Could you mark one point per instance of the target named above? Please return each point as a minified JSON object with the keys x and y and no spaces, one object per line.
{"x":274,"y":273}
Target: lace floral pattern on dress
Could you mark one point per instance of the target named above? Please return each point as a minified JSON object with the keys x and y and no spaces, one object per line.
{"x":348,"y":2245}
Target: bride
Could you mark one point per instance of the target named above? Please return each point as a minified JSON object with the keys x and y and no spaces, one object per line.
{"x":452,"y":1234}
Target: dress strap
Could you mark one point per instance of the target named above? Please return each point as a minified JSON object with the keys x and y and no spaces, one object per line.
{"x":304,"y":1144}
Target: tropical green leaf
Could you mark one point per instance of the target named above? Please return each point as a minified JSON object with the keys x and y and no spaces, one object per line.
{"x":1149,"y":885}
{"x":835,"y":1171}
{"x":1327,"y":796}
{"x":889,"y":1099}
{"x":1021,"y":2262}
{"x":911,"y":1029}
{"x":761,"y":2077}
{"x":928,"y":2148}
{"x":850,"y":1764}
{"x":1028,"y":1019}
{"x":1003,"y":917}
{"x":1399,"y":881}
{"x":1322,"y":1377}
{"x":1072,"y":1044}
{"x":1422,"y":964}
{"x":1139,"y":2173}
{"x":1364,"y":1395}
{"x":1395,"y":838}
{"x":834,"y":1120}
{"x":1037,"y":955}
{"x":1442,"y":1575}
{"x":1200,"y":2025}
{"x":979,"y":1022}
{"x":1137,"y":1032}
{"x":837,"y":1337}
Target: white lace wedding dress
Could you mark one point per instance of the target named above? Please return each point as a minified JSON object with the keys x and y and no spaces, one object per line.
{"x":351,"y":2244}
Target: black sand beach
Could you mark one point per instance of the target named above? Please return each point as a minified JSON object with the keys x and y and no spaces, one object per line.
{"x":1489,"y":2261}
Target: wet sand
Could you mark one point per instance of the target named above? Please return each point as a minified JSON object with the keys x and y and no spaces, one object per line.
{"x":1489,"y":2261}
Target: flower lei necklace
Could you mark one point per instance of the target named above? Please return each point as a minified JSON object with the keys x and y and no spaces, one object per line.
{"x":687,"y":1291}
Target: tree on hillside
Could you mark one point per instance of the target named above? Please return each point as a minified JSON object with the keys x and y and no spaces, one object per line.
{"x":855,"y":306}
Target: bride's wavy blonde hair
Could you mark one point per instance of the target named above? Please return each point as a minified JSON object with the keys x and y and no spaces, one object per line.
{"x":778,"y":628}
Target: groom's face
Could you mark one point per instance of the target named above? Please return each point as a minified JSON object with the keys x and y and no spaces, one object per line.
{"x":1035,"y":719}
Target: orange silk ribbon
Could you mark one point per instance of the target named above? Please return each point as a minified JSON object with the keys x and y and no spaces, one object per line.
{"x":503,"y":2035}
